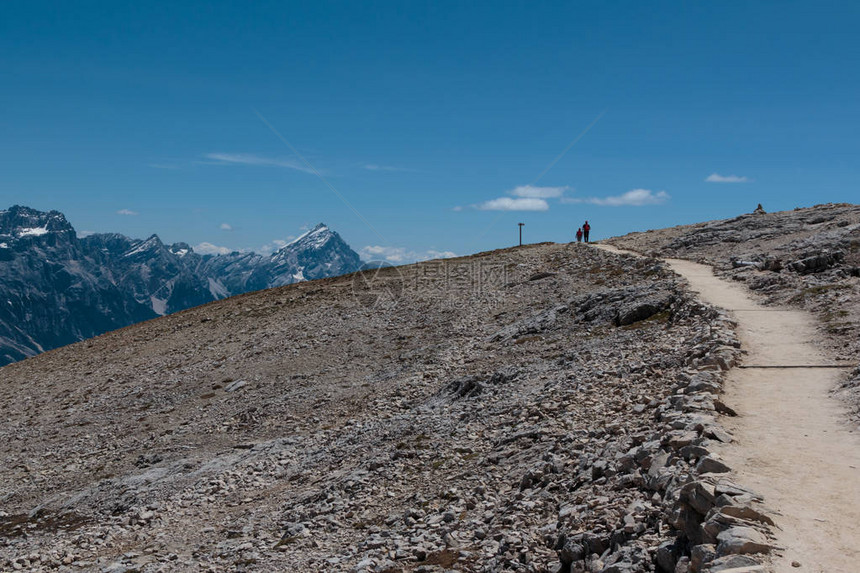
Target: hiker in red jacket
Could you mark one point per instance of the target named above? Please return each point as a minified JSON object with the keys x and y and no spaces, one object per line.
{"x":585,"y":229}
{"x":579,"y":235}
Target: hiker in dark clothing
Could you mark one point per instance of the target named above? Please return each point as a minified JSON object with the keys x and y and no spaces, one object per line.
{"x":579,"y":235}
{"x":585,"y":229}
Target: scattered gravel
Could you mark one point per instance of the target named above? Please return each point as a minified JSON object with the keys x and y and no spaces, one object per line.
{"x":544,"y":408}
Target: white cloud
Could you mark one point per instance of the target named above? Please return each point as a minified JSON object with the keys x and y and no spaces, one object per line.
{"x":251,"y":159}
{"x":390,"y":254}
{"x":515,"y":204}
{"x":717,"y":178}
{"x":531,"y":191}
{"x":523,"y":198}
{"x":164,"y":166}
{"x":210,"y":249}
{"x":126,"y":212}
{"x":431,"y":254}
{"x":401,"y":255}
{"x":265,"y":250}
{"x":458,"y":208}
{"x":275,"y":245}
{"x":226,"y":227}
{"x":633,"y":198}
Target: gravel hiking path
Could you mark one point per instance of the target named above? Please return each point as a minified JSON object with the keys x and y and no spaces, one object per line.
{"x":793,"y":445}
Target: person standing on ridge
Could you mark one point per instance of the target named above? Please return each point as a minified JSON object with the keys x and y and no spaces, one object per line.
{"x":579,"y":235}
{"x":585,"y":229}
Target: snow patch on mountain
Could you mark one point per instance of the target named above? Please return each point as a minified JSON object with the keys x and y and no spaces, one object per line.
{"x":147,"y":245}
{"x":159,"y":305}
{"x":316,"y":237}
{"x":33,"y":232}
{"x":217,"y":289}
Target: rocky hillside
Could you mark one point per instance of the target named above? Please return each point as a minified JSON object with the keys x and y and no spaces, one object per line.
{"x":56,"y":288}
{"x":544,"y":408}
{"x":808,"y":258}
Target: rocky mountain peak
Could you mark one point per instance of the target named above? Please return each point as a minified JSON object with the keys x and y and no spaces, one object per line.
{"x":318,"y":253}
{"x":180,"y":249}
{"x":151,"y":252}
{"x":313,"y":239}
{"x":19,"y":221}
{"x":63,"y":289}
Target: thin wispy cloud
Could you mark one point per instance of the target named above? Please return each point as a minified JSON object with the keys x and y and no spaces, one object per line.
{"x":164,"y":166}
{"x":401,"y":255}
{"x":252,"y":159}
{"x":226,"y":227}
{"x":515,"y":204}
{"x":375,"y":167}
{"x":633,"y":198}
{"x":126,"y":212}
{"x":717,"y":178}
{"x":316,"y":172}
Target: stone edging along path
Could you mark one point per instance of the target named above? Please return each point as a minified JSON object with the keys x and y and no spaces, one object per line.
{"x":792,"y":444}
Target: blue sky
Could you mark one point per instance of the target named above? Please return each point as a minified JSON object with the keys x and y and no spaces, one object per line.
{"x":442,"y":124}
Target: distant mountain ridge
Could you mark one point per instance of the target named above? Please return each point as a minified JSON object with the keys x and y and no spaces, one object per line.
{"x":57,"y":288}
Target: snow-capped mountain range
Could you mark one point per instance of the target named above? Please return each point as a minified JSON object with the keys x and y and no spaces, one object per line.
{"x":57,"y":288}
